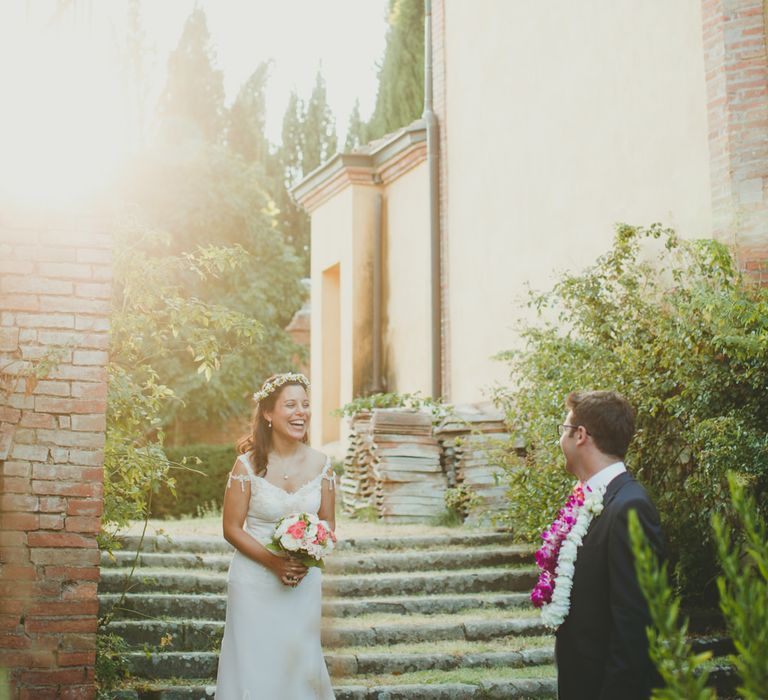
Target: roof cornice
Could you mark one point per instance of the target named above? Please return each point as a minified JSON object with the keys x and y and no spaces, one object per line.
{"x":378,"y":163}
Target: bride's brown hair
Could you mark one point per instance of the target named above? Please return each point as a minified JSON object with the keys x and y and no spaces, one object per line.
{"x":258,"y":442}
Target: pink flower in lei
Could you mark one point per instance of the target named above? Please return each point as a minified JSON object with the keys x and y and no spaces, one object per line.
{"x":546,"y":556}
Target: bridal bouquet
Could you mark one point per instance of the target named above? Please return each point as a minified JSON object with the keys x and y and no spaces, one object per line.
{"x":303,"y":536}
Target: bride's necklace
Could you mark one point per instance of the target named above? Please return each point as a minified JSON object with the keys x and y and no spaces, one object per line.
{"x":285,"y":474}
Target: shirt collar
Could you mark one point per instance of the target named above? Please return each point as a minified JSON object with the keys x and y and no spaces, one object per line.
{"x":605,"y":476}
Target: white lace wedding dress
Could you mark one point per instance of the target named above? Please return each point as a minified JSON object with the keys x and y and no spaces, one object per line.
{"x":271,"y":647}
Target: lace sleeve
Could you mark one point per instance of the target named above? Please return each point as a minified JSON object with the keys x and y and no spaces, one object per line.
{"x":242,"y":478}
{"x":329,"y":475}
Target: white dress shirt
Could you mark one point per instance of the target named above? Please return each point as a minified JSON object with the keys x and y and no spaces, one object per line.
{"x":605,"y":476}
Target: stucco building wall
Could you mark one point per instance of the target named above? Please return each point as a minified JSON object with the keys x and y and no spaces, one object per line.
{"x":564,"y":119}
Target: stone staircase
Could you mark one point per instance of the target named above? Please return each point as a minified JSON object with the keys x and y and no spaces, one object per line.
{"x":408,"y":618}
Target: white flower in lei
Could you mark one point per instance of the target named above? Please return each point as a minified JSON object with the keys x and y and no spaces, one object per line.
{"x":554,"y":613}
{"x":277,"y":382}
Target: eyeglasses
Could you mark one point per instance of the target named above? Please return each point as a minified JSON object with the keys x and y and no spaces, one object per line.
{"x":561,"y":428}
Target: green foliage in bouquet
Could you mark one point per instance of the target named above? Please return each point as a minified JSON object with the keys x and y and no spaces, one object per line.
{"x":742,"y":552}
{"x":673,"y":326}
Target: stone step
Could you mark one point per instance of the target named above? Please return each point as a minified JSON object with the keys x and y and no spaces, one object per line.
{"x":205,"y":635}
{"x":203,"y":664}
{"x":357,"y":563}
{"x":344,"y":665}
{"x":163,"y":543}
{"x":540,"y":689}
{"x":214,"y":606}
{"x":506,"y":579}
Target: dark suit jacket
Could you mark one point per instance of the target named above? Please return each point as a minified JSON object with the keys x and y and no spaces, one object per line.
{"x":602,"y":648}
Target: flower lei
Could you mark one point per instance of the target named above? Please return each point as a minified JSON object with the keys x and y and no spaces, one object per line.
{"x":557,"y":556}
{"x":277,"y":382}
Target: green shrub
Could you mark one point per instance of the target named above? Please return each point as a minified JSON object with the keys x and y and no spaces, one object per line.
{"x":685,"y":339}
{"x":199,"y":486}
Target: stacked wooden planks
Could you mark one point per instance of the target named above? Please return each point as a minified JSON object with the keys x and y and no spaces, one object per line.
{"x":410,"y":483}
{"x":357,"y":485}
{"x":468,"y":438}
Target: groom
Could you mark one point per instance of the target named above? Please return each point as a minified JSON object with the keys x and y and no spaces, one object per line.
{"x":602,"y":648}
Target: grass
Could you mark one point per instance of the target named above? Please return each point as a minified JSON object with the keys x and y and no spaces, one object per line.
{"x":470,"y":676}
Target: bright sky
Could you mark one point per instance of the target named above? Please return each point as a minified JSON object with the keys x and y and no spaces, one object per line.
{"x":64,"y":124}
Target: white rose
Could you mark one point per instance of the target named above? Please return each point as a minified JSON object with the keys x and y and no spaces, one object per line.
{"x":291,"y":544}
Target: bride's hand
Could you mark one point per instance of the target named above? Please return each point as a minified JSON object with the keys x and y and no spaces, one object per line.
{"x":289,"y":570}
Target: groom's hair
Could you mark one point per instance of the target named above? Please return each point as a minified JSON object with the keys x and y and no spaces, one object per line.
{"x":607,"y":416}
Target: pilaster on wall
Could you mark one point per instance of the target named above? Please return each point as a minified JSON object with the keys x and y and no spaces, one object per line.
{"x":736,"y":59}
{"x":55,"y":285}
{"x":440,"y":109}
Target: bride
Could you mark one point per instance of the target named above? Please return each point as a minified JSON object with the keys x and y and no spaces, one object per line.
{"x":271,"y":646}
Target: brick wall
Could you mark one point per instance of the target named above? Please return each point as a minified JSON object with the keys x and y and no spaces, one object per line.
{"x":54,"y":293}
{"x":736,"y":60}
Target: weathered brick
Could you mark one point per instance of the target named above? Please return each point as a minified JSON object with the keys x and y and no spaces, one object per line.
{"x":64,"y":557}
{"x":19,"y":302}
{"x":59,"y":539}
{"x":46,"y":404}
{"x":79,"y":373}
{"x":65,"y":270}
{"x":65,"y":488}
{"x":27,"y":659}
{"x":15,"y":555}
{"x":52,"y":522}
{"x":9,"y":415}
{"x":91,"y":458}
{"x":14,"y":484}
{"x":12,"y":468}
{"x":76,"y":523}
{"x":53,"y":504}
{"x":65,"y":607}
{"x":45,"y":320}
{"x":27,"y":335}
{"x":30,"y":419}
{"x":78,"y":692}
{"x":59,"y":455}
{"x":19,"y":521}
{"x":56,"y":678}
{"x":77,"y":506}
{"x":65,"y":422}
{"x":91,"y":323}
{"x":9,"y":540}
{"x":94,"y":290}
{"x":52,"y":388}
{"x":89,"y":390}
{"x":33,"y":453}
{"x":9,"y":339}
{"x":67,"y":438}
{"x":72,"y":573}
{"x":38,"y":352}
{"x":81,"y":658}
{"x":89,"y":422}
{"x":65,"y":472}
{"x":46,"y":253}
{"x":14,"y":502}
{"x":81,"y":340}
{"x":77,"y":305}
{"x":90,"y":357}
{"x":14,"y":284}
{"x":16,"y":267}
{"x":91,"y":255}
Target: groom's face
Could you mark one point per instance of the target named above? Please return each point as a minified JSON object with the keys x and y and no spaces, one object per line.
{"x":568,"y":443}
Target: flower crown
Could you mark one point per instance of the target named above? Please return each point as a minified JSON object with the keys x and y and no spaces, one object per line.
{"x":277,"y":382}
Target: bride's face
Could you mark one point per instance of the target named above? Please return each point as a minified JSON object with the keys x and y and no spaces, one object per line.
{"x":291,"y":414}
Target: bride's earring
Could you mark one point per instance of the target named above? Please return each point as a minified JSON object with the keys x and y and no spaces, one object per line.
{"x":269,"y":424}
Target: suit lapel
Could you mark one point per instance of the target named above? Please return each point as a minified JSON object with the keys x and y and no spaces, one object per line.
{"x":610,"y":493}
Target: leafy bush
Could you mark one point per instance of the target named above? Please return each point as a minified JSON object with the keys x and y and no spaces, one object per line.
{"x":685,"y":339}
{"x":198,"y":485}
